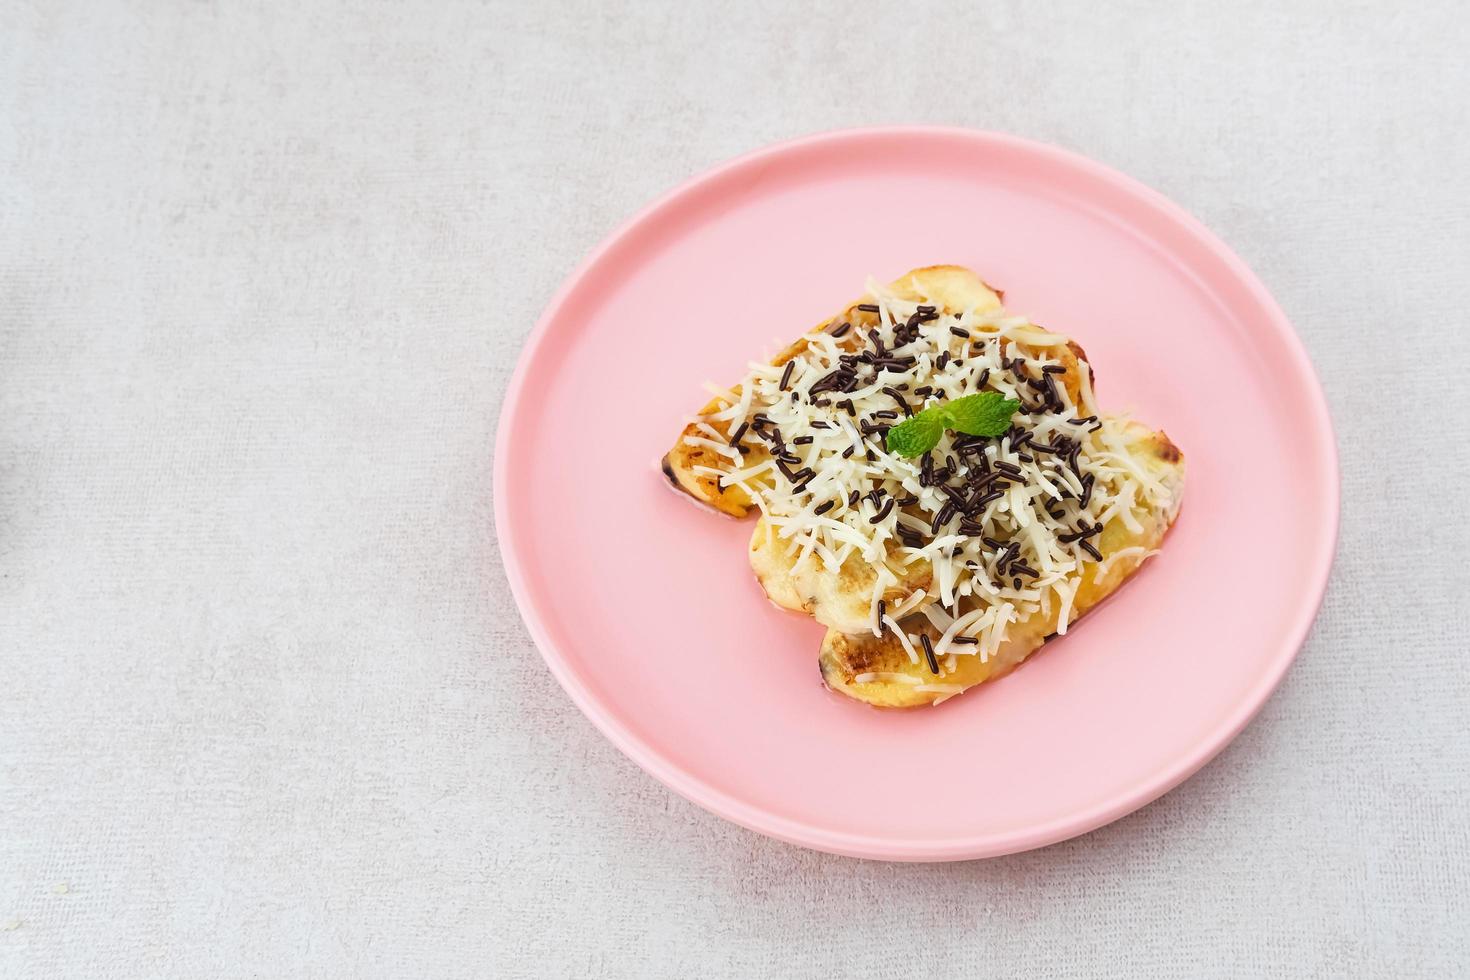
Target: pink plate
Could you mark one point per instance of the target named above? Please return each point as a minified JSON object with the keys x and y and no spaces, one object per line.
{"x":642,"y":602}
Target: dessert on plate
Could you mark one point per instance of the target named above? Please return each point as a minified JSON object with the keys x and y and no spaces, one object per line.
{"x":933,"y":481}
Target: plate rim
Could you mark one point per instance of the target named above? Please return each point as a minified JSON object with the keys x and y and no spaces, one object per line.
{"x":957,"y":848}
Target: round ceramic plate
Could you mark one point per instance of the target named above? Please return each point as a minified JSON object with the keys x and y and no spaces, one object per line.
{"x":645,"y":608}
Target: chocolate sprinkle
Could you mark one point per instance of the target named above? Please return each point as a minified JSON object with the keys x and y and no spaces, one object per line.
{"x":1012,"y":550}
{"x":993,"y":495}
{"x":786,"y":374}
{"x":1082,"y":532}
{"x":893,"y":393}
{"x":929,"y":653}
{"x":1051,"y":390}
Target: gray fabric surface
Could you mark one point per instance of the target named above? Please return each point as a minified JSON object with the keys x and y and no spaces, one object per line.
{"x":267,"y":708}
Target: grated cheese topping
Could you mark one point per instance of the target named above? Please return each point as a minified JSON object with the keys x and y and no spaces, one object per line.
{"x":1008,"y":525}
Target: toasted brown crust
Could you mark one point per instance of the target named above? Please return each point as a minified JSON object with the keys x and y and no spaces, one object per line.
{"x":844,"y":658}
{"x":678,"y":464}
{"x":1165,"y":449}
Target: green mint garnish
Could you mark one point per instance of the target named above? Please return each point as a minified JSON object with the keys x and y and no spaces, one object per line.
{"x":985,"y":414}
{"x":916,"y":436}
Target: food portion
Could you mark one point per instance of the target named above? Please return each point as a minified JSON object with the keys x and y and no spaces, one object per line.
{"x":934,"y":482}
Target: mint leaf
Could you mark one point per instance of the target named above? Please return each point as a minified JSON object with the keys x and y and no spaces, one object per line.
{"x":916,"y":436}
{"x":986,"y":414}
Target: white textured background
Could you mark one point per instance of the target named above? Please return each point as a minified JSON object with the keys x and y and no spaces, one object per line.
{"x":266,"y":707}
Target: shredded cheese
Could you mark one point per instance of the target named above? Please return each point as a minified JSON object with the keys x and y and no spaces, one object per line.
{"x":885,"y":675}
